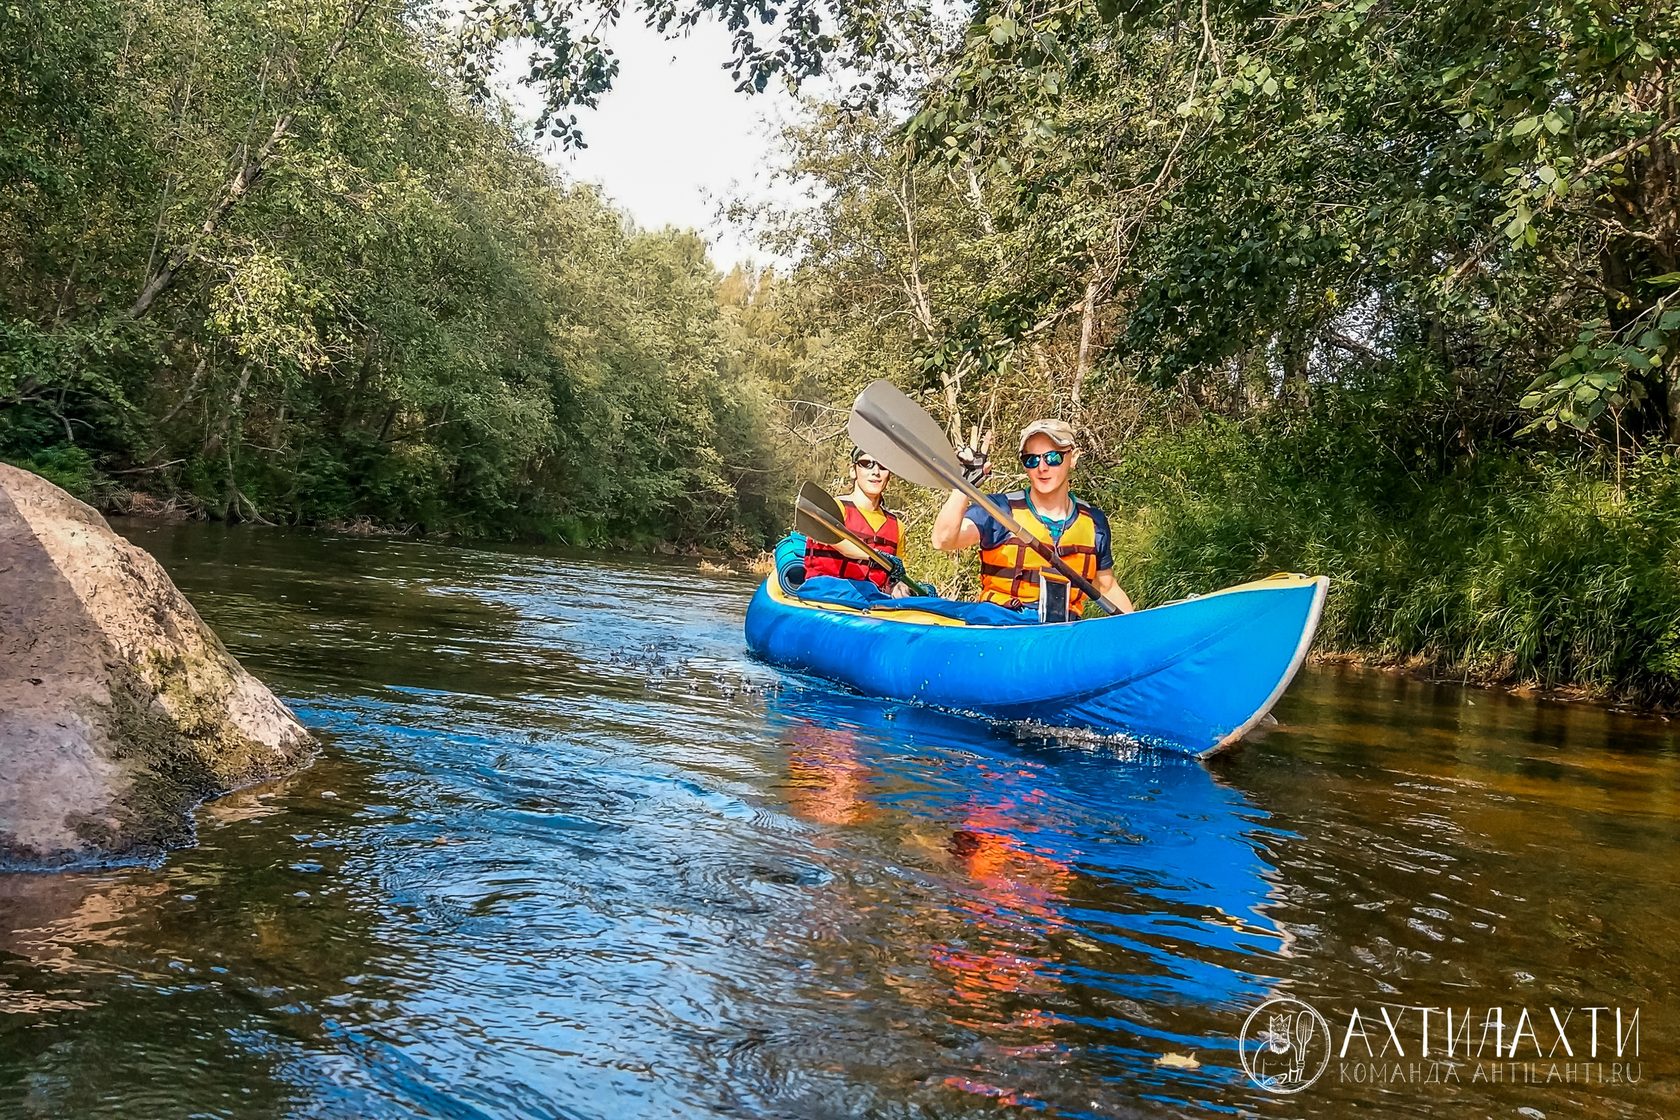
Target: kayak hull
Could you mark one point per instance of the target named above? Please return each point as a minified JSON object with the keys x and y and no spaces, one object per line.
{"x":1192,"y":676}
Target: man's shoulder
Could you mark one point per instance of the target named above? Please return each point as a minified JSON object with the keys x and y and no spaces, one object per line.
{"x":1097,"y":515}
{"x":1001,"y":500}
{"x":1007,"y":498}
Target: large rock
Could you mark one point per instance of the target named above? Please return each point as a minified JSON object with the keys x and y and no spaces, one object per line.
{"x":119,"y":709}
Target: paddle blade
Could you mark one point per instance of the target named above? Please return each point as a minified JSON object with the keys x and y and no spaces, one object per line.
{"x":900,"y":433}
{"x":816,"y":513}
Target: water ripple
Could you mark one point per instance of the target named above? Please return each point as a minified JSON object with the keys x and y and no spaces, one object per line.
{"x":569,"y":853}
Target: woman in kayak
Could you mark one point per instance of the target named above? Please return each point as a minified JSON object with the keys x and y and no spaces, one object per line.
{"x":870,"y":522}
{"x":1009,"y":570}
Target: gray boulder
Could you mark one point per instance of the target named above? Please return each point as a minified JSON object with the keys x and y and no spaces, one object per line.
{"x":119,"y":708}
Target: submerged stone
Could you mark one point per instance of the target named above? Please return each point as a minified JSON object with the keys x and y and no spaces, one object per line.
{"x":119,"y":708}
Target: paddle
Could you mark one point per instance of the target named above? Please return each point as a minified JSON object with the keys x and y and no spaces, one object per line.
{"x":818,"y":515}
{"x":900,"y":433}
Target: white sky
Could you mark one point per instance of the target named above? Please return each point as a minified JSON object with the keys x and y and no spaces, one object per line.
{"x":672,"y":139}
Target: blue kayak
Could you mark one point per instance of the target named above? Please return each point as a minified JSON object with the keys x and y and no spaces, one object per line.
{"x":1192,"y":676}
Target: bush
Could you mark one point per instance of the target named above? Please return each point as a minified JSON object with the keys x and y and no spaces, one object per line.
{"x":70,"y":468}
{"x":1504,"y":567}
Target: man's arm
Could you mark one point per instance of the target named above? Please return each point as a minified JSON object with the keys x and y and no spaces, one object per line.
{"x":1112,"y":593}
{"x":952,"y":530}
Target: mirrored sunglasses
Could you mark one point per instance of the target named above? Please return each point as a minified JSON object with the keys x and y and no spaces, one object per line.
{"x":1051,"y":459}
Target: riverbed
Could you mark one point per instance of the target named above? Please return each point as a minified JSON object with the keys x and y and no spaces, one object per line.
{"x":568,"y":852}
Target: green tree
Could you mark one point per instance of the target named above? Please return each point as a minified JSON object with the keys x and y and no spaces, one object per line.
{"x":273,"y":262}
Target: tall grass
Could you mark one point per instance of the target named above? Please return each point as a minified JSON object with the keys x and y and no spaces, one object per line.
{"x":1498,"y":565}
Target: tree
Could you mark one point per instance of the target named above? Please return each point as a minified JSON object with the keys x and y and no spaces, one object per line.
{"x":389,"y":308}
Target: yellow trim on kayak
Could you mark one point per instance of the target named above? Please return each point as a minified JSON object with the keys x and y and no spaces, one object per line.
{"x":927,"y":618}
{"x":884,"y":613}
{"x":1272,"y":582}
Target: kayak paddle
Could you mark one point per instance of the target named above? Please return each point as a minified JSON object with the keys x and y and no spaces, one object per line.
{"x":900,"y":433}
{"x":819,"y":516}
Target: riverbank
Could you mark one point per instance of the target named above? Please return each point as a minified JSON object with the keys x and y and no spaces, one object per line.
{"x":1504,"y":569}
{"x":113,"y":500}
{"x":1424,"y":671}
{"x":1532,"y":576}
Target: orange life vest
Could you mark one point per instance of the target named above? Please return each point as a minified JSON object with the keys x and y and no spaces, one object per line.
{"x":826,"y":560}
{"x":1009,"y":571}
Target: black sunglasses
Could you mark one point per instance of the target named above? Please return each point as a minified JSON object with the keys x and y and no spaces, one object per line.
{"x":1051,"y":459}
{"x":868,"y":464}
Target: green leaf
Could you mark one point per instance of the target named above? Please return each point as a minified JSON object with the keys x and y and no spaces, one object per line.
{"x":1525,"y":126}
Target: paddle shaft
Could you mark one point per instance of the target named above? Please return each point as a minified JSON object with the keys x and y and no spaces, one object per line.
{"x":931,"y":459}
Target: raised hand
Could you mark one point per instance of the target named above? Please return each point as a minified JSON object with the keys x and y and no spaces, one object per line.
{"x":975,"y":455}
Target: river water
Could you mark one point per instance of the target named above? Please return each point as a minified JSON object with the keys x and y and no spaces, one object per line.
{"x":568,"y":852}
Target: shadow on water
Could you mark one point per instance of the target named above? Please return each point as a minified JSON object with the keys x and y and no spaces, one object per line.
{"x":570,"y":853}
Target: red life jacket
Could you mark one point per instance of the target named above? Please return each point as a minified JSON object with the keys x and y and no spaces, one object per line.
{"x":825,"y":560}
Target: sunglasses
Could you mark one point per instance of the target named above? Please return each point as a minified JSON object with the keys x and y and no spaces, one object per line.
{"x":869,"y":465}
{"x":1051,"y":459}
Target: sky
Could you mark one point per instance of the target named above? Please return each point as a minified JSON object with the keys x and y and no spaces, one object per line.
{"x":672,"y":140}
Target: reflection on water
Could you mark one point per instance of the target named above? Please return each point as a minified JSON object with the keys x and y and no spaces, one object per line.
{"x":569,"y":853}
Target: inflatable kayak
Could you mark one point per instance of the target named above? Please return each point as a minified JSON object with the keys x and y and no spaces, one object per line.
{"x":1192,"y":676}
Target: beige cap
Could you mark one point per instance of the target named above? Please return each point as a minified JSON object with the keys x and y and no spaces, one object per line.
{"x":1059,"y":431}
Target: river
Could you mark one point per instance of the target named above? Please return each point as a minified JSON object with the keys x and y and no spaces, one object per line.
{"x":568,"y":852}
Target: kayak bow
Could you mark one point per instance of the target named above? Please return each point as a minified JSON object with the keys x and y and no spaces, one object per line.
{"x":1192,"y":676}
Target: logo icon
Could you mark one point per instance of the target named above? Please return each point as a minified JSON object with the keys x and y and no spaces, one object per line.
{"x":1284,"y":1045}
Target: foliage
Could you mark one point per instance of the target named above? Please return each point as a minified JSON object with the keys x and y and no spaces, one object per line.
{"x":1272,"y":186}
{"x":1506,"y":568}
{"x":1380,"y":288}
{"x":65,"y":466}
{"x":569,"y":62}
{"x":270,"y":257}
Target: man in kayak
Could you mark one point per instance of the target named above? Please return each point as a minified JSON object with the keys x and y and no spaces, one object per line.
{"x":1009,"y":570}
{"x":870,"y":522}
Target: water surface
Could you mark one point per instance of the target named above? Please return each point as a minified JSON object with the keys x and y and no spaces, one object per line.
{"x":568,"y":852}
